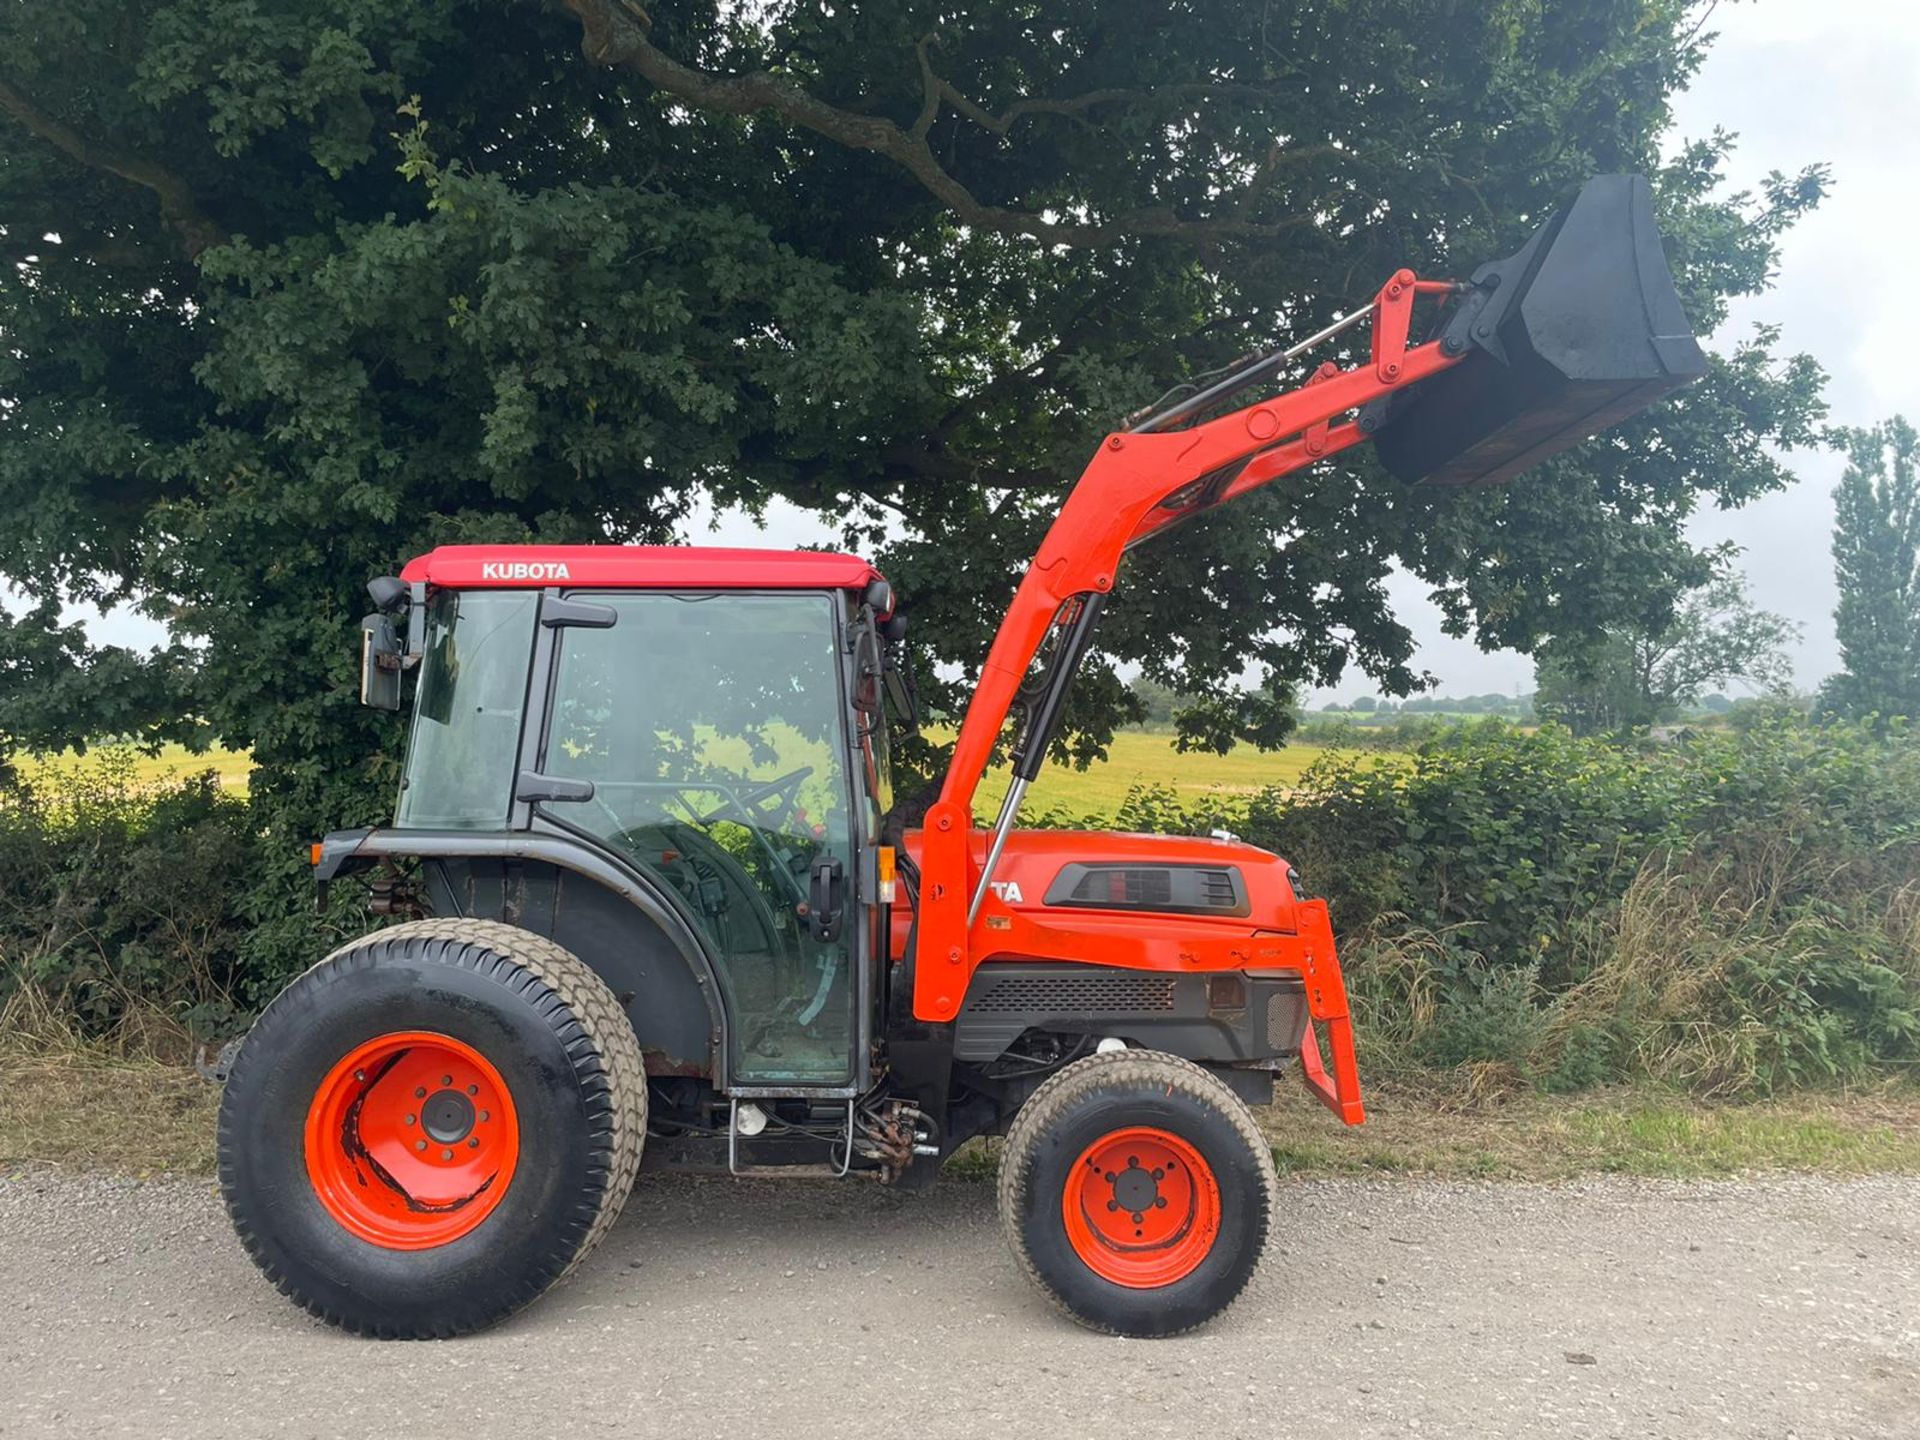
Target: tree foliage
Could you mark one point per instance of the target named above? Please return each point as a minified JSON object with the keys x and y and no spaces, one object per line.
{"x":1635,"y":676}
{"x":292,"y":292}
{"x":1876,"y":561}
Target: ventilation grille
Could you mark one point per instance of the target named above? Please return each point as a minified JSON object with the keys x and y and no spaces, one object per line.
{"x":1171,"y":889}
{"x":1074,"y":995}
{"x":1285,"y":1014}
{"x":1217,"y":890}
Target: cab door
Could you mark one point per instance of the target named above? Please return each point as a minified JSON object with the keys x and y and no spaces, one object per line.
{"x":713,"y":729}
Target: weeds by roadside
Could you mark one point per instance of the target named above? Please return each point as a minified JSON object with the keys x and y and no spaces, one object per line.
{"x":129,"y":1100}
{"x":1619,"y":1130}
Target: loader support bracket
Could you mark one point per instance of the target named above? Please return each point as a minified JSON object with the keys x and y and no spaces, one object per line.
{"x":1337,"y":1087}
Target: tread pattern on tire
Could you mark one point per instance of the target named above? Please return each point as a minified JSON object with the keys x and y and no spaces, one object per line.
{"x":1120,"y":1068}
{"x":604,"y":1033}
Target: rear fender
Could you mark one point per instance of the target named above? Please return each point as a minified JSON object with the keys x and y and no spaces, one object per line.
{"x":622,"y":924}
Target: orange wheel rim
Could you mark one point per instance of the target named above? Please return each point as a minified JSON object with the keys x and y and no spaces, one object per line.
{"x":1142,"y":1208}
{"x":411,"y":1140}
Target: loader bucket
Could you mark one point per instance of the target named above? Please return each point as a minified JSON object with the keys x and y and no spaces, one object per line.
{"x":1575,"y":331}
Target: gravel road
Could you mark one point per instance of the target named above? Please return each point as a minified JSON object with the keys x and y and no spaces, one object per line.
{"x":1604,"y":1307}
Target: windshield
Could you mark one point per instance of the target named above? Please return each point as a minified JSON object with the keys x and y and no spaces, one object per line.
{"x":467,"y":707}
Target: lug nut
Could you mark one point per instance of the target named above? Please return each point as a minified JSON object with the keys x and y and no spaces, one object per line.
{"x":473,"y":1089}
{"x":411,"y":1119}
{"x":473,"y":1143}
{"x":419,"y":1144}
{"x":446,"y":1154}
{"x":486,"y":1114}
{"x":419,"y":1092}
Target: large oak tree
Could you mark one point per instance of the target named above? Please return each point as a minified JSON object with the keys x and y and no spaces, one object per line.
{"x":292,"y":291}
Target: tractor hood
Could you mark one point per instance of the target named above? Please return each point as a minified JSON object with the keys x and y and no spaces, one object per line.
{"x":1102,"y":878}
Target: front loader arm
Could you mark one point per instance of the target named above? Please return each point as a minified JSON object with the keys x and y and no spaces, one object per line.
{"x":1136,"y":485}
{"x":1133,"y":487}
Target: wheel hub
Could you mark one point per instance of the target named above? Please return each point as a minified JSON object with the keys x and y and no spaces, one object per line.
{"x":447,"y":1116}
{"x":1135,"y":1189}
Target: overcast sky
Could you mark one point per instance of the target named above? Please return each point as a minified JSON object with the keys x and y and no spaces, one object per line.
{"x":1798,"y":81}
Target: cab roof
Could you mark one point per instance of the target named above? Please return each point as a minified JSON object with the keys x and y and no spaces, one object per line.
{"x":647,"y":567}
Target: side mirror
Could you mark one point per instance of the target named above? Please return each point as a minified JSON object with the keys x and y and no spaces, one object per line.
{"x":381,"y":656}
{"x":389,"y":593}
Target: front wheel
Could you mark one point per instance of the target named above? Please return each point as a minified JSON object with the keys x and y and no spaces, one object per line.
{"x":431,"y":1127}
{"x":1137,"y":1193}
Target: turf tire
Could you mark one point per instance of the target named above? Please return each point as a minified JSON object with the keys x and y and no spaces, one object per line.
{"x":569,"y":1058}
{"x":1119,"y":1089}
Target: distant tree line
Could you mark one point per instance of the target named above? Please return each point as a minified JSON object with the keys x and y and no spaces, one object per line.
{"x":1489,"y":704}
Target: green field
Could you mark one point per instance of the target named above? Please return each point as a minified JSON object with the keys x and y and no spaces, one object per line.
{"x":1147,"y":757}
{"x":1135,"y":758}
{"x":173,"y":764}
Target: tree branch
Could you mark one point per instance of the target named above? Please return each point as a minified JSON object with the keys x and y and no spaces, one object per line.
{"x":613,"y":35}
{"x":179,"y":210}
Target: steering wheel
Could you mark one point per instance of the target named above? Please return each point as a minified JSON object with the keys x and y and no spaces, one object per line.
{"x":785,"y":787}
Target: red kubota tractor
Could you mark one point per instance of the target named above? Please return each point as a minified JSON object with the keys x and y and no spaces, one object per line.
{"x":659,"y":907}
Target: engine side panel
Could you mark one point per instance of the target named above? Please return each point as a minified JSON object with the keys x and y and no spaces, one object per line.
{"x":1222,"y":1019}
{"x":1158,"y":901}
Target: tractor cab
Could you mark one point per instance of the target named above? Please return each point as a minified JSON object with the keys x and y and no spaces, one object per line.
{"x":722,"y":734}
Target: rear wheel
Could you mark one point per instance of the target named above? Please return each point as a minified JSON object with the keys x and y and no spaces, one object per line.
{"x":431,"y":1127}
{"x":1137,"y":1193}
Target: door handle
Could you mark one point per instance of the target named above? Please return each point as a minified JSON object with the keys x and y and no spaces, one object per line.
{"x":826,"y":897}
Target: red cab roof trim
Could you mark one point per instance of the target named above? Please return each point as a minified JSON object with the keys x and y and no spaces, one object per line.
{"x":651,"y":567}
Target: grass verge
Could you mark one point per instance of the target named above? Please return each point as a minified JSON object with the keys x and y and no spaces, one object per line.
{"x":1447,"y":1133}
{"x":1624,"y":1131}
{"x":126,"y":1101}
{"x":138,"y":1117}
{"x":142,"y":1117}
